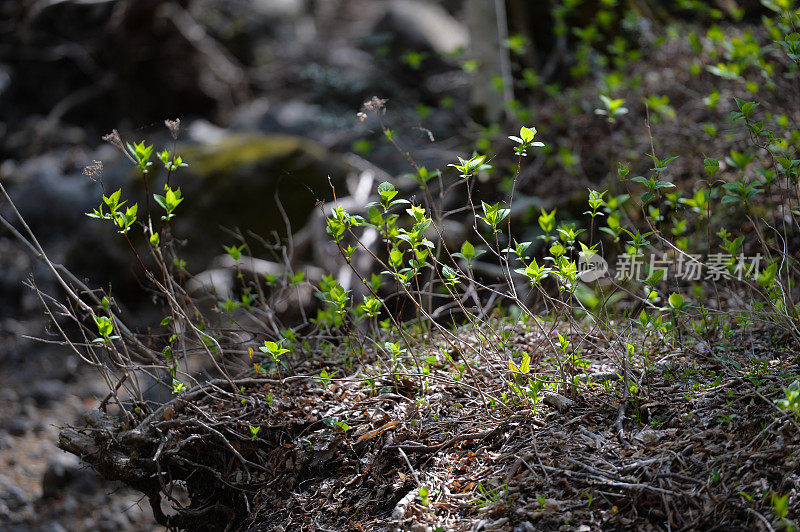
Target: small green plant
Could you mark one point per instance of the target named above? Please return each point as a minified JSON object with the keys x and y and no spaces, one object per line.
{"x":780,"y":505}
{"x":542,"y":500}
{"x":414,"y":59}
{"x":275,"y":350}
{"x":488,"y":496}
{"x":469,"y":253}
{"x":524,"y":366}
{"x":612,"y":108}
{"x":740,"y":192}
{"x":105,"y":327}
{"x":178,"y":387}
{"x":493,"y":215}
{"x":525,"y":141}
{"x":122,"y":219}
{"x":169,"y":201}
{"x":468,"y":167}
{"x":791,"y":401}
{"x":325,"y":377}
{"x":423,"y":495}
{"x":235,"y":252}
{"x":660,"y":105}
{"x":653,"y":183}
{"x":370,"y":307}
{"x":676,"y":301}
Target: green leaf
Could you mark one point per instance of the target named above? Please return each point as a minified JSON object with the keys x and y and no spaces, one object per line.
{"x":527,"y":134}
{"x":676,"y":301}
{"x":104,"y":326}
{"x":655,"y":276}
{"x":475,"y":163}
{"x":467,"y":250}
{"x":780,"y":505}
{"x":525,"y":365}
{"x":711,"y":166}
{"x":547,"y":221}
{"x":386,"y":191}
{"x":235,"y":252}
{"x":161,"y":200}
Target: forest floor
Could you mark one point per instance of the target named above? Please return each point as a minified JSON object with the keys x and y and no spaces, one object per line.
{"x":41,"y":486}
{"x":699,"y":445}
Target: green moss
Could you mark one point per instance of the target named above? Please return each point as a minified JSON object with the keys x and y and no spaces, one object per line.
{"x":233,"y":151}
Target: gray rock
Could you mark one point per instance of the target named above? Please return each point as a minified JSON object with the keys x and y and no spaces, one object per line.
{"x":65,"y":471}
{"x":255,"y":115}
{"x":50,"y":200}
{"x":60,"y":471}
{"x":246,"y":26}
{"x":279,"y":9}
{"x":423,"y":25}
{"x":15,"y":425}
{"x":113,"y":522}
{"x":296,"y":118}
{"x":356,"y":62}
{"x":204,"y":132}
{"x":65,"y":370}
{"x":52,"y":526}
{"x":293,"y":117}
{"x":69,"y":504}
{"x":44,"y":392}
{"x":13,"y":497}
{"x":14,"y":269}
{"x":38,"y":134}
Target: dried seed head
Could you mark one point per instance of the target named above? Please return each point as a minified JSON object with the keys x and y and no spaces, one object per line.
{"x":174,"y":127}
{"x":94,"y":171}
{"x":374,"y":105}
{"x":114,"y":139}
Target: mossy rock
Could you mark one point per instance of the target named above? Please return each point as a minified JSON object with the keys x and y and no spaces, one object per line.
{"x":232,"y":182}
